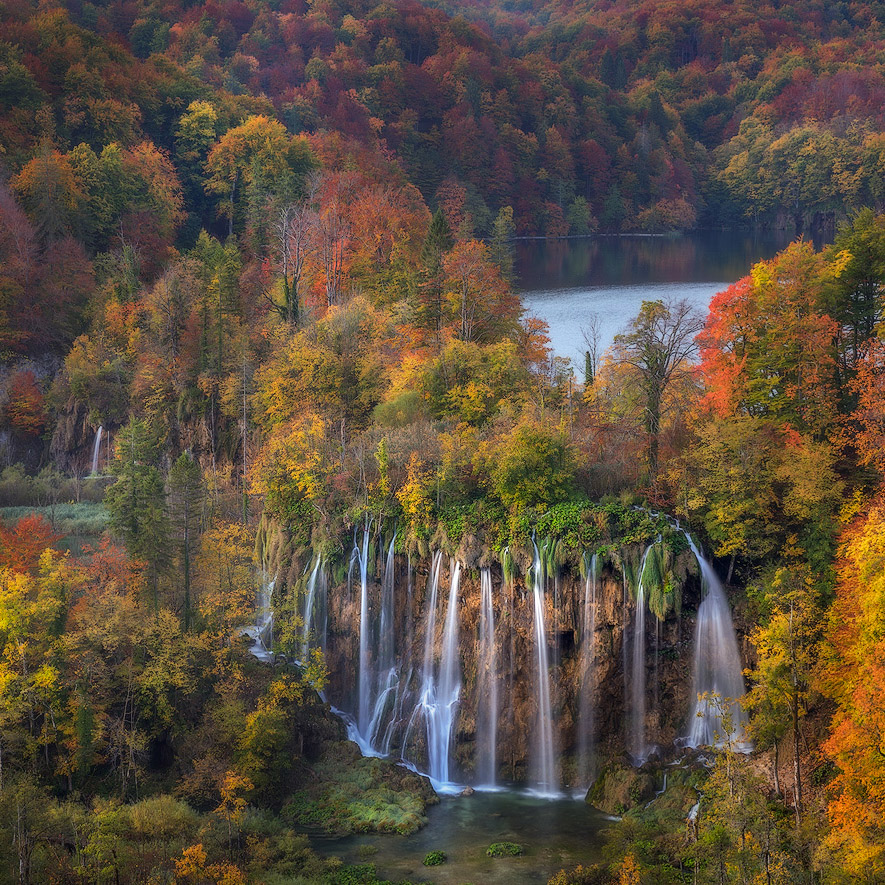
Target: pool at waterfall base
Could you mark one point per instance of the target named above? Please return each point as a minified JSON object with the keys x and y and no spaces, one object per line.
{"x":554,"y":834}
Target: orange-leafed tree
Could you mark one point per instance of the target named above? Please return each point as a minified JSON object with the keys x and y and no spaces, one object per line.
{"x":869,"y":415}
{"x":853,"y":675}
{"x":22,"y":544}
{"x":50,"y":193}
{"x":480,"y":305}
{"x":25,"y":409}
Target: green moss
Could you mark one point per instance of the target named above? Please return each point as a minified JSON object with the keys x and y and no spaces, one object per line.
{"x":504,"y":849}
{"x":434,"y":858}
{"x":620,"y":788}
{"x":352,"y":794}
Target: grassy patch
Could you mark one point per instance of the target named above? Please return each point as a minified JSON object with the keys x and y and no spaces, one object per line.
{"x":86,"y":519}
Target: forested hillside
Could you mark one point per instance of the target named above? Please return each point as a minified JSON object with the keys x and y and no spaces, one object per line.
{"x":579,"y":116}
{"x":259,"y":335}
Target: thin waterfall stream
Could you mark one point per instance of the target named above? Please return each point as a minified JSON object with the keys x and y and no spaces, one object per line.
{"x":586,"y":766}
{"x":487,"y":686}
{"x":545,"y":779}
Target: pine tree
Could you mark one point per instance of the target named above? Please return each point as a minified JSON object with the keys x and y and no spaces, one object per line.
{"x":186,"y":496}
{"x":429,"y":313}
{"x":137,"y":500}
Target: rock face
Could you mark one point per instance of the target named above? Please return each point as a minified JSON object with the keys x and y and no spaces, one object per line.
{"x":412,"y":675}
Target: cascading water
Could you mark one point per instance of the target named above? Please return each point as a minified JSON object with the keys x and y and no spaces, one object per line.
{"x":311,"y":631}
{"x":261,"y":633}
{"x":386,"y":659}
{"x":638,"y":747}
{"x":96,"y":450}
{"x":438,"y":702}
{"x":386,"y":678}
{"x":412,"y":710}
{"x":717,"y":681}
{"x":365,"y":673}
{"x":587,"y":684}
{"x":545,"y":780}
{"x":487,"y":686}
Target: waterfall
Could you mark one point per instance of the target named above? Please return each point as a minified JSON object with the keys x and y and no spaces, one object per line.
{"x":718,"y":675}
{"x":365,"y":675}
{"x":587,"y":684}
{"x":386,"y":660}
{"x":638,"y":747}
{"x":449,"y":685}
{"x":96,"y":448}
{"x":261,"y":632}
{"x":430,"y":621}
{"x":487,"y":687}
{"x":545,"y":774}
{"x":387,"y":682}
{"x":439,"y":694}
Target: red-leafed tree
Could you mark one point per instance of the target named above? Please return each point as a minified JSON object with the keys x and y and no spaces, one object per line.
{"x":767,"y":347}
{"x":26,"y":407}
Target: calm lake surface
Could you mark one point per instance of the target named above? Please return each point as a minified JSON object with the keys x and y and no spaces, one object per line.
{"x":566,"y":281}
{"x":555,"y":834}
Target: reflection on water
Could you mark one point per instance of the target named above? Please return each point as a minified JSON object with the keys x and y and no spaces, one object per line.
{"x":563,"y":281}
{"x":706,"y":257}
{"x":554,"y":834}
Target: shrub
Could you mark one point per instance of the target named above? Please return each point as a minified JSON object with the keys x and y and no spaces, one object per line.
{"x":435,"y":858}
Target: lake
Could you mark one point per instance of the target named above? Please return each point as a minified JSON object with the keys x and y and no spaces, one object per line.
{"x":566,"y":281}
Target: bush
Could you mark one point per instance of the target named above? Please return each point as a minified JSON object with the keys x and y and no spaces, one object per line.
{"x":435,"y":858}
{"x":504,"y":849}
{"x":534,"y":467}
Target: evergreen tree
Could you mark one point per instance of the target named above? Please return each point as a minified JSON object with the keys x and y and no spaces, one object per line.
{"x":137,"y":500}
{"x":429,"y":314}
{"x":501,"y":244}
{"x":186,"y":496}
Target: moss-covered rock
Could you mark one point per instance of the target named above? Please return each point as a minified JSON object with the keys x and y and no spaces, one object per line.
{"x":353,"y":794}
{"x":620,"y":787}
{"x":504,"y":849}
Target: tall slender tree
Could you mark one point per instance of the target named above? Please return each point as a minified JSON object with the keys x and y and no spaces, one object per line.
{"x":186,"y":495}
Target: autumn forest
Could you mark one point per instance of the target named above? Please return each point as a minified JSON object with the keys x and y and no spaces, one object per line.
{"x":310,"y":538}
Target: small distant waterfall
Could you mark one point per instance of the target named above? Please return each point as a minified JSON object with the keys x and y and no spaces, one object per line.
{"x":487,"y":686}
{"x":314,"y":618}
{"x":261,"y":633}
{"x":717,"y":667}
{"x":96,"y":449}
{"x":587,"y":683}
{"x":545,"y":778}
{"x":638,"y":747}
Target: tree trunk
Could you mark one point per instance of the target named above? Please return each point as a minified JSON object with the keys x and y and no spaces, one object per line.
{"x":777,"y":777}
{"x":797,"y":773}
